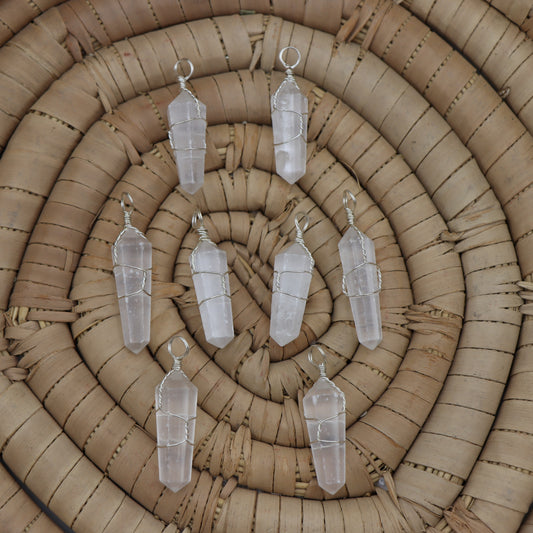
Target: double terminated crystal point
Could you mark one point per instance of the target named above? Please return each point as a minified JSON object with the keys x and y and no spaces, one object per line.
{"x":132,"y":268}
{"x":292,"y":276}
{"x":324,"y":411}
{"x":187,"y":126}
{"x":209,"y":267}
{"x":289,"y":125}
{"x":175,"y":404}
{"x":361,"y":280}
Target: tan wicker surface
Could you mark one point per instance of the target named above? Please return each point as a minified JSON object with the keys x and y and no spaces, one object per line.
{"x":429,"y":103}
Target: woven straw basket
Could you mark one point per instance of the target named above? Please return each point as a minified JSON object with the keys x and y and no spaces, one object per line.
{"x":423,"y":109}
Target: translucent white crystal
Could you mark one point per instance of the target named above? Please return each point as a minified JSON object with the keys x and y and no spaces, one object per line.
{"x":186,"y":119}
{"x":175,"y":421}
{"x":289,"y":128}
{"x":209,"y":266}
{"x":362,"y":284}
{"x":324,"y":406}
{"x":292,"y":276}
{"x":132,"y":260}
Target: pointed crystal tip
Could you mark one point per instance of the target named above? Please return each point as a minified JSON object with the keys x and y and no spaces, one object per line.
{"x":191,"y":187}
{"x":174,"y":487}
{"x":283,"y":337}
{"x":290,"y":175}
{"x":332,"y":488}
{"x":136,"y":347}
{"x":371,"y":344}
{"x":219,"y":342}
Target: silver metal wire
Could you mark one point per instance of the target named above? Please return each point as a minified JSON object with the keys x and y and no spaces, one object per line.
{"x":347,"y":198}
{"x":178,"y":358}
{"x":177,"y":66}
{"x":276,"y":281}
{"x":321,"y":365}
{"x":176,"y":367}
{"x":126,"y":202}
{"x":284,"y":63}
{"x":360,"y":294}
{"x":289,"y":78}
{"x":300,"y":235}
{"x":183,"y":86}
{"x":198,"y":225}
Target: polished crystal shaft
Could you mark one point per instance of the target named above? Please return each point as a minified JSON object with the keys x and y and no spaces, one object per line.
{"x":209,"y":266}
{"x":187,"y":125}
{"x":175,"y":403}
{"x":324,"y":407}
{"x":289,"y":128}
{"x":292,"y":277}
{"x":362,"y":283}
{"x":132,"y":260}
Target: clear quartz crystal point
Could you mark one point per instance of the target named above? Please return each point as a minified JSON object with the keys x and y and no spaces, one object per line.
{"x":324,"y":411}
{"x":292,"y":276}
{"x":362,"y":284}
{"x":175,"y":403}
{"x":289,"y":127}
{"x":132,"y":268}
{"x":187,"y":127}
{"x":209,"y":267}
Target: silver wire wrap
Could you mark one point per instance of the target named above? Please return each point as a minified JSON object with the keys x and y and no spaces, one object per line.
{"x":198,"y":225}
{"x":126,"y":202}
{"x":176,"y":367}
{"x":182,"y":81}
{"x":346,"y":197}
{"x":289,"y":78}
{"x":276,"y":282}
{"x":322,"y":367}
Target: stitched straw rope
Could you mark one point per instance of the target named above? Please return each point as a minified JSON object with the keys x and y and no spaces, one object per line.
{"x":428,"y":103}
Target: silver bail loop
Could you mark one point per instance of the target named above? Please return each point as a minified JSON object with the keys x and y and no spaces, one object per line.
{"x":126,"y":202}
{"x":347,"y":198}
{"x":299,"y":230}
{"x":178,"y":358}
{"x":181,"y":78}
{"x":198,"y":225}
{"x":289,"y":66}
{"x":321,"y":365}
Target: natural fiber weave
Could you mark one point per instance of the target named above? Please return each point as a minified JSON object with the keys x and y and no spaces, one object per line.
{"x":423,"y":110}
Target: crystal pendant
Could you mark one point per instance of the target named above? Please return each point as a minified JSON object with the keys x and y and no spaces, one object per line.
{"x":289,"y":125}
{"x":187,"y":125}
{"x":132,"y":268}
{"x":292,"y":276}
{"x":361,"y":280}
{"x":175,"y":404}
{"x":209,"y":267}
{"x":324,"y":411}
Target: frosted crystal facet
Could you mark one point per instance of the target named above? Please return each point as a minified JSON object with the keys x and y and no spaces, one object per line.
{"x":186,"y":119}
{"x":132,"y":260}
{"x":324,"y":407}
{"x":289,"y":128}
{"x":209,"y":266}
{"x":292,"y":277}
{"x":175,"y":420}
{"x":362,"y":285}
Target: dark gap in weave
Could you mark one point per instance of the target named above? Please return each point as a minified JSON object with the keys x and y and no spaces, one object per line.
{"x":37,"y":501}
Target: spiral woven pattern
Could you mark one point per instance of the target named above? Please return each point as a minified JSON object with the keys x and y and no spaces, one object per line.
{"x":422,"y":109}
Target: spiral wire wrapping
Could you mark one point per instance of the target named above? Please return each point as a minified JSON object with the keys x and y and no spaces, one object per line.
{"x":117,"y":265}
{"x":198,"y":225}
{"x":430,"y":107}
{"x":299,"y":239}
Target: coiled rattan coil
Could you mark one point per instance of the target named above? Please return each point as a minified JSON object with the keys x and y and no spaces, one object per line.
{"x":429,"y":104}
